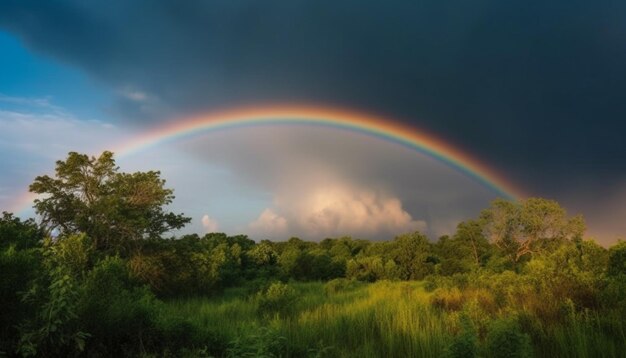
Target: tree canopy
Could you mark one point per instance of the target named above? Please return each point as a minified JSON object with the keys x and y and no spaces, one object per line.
{"x":115,"y":209}
{"x":526,"y":227}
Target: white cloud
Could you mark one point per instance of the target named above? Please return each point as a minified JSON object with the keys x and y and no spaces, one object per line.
{"x":50,"y":135}
{"x":345,"y":210}
{"x":269,"y":224}
{"x":209,"y":224}
{"x":34,"y":133}
{"x":336,"y":210}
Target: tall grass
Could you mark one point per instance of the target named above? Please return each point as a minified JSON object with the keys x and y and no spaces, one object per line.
{"x":386,"y":319}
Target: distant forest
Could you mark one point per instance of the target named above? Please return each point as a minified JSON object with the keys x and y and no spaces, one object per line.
{"x":98,"y":275}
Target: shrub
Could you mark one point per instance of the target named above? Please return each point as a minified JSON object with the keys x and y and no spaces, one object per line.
{"x":617,"y":259}
{"x":505,"y":339}
{"x":55,"y":329}
{"x":18,"y":268}
{"x":465,"y":344}
{"x":119,"y":314}
{"x":73,"y":253}
{"x":277,"y":299}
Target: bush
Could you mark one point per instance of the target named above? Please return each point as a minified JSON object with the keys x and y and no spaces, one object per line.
{"x":18,"y":268}
{"x":277,"y":299}
{"x":119,"y":314}
{"x":465,"y":344}
{"x":505,"y":339}
{"x":617,"y":259}
{"x":74,"y":254}
{"x":56,"y":329}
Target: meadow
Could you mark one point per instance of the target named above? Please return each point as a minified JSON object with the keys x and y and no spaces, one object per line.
{"x":345,"y":318}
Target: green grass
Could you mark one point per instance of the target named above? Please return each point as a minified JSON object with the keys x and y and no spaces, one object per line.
{"x":383,"y":319}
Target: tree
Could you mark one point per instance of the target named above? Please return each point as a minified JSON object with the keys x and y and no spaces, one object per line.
{"x":20,"y":265}
{"x":617,"y":259}
{"x":528,"y":227}
{"x":412,"y":252}
{"x":114,"y":209}
{"x":21,"y":234}
{"x":469,"y":236}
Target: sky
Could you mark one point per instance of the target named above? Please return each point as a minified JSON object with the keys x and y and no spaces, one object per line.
{"x":534,"y":90}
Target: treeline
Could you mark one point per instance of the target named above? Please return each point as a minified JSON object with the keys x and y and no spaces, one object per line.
{"x":97,"y":286}
{"x":68,"y":298}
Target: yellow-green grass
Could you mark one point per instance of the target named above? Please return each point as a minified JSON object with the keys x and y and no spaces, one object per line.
{"x":386,"y":319}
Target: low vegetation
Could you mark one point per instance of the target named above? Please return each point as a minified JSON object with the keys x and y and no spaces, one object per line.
{"x":96,"y":277}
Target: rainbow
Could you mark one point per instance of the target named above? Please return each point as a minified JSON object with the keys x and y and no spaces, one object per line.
{"x":370,"y":125}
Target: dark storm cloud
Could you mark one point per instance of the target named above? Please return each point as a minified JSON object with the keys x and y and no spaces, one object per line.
{"x":534,"y":87}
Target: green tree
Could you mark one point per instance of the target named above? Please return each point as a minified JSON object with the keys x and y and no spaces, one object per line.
{"x":521,"y":229}
{"x":452,"y":256}
{"x":263,"y":253}
{"x":114,"y":209}
{"x":469,"y":236}
{"x":20,"y":265}
{"x":617,"y":259}
{"x":20,"y":234}
{"x":412,"y":253}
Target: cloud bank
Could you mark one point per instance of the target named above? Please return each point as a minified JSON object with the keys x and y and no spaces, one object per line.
{"x":335,"y":211}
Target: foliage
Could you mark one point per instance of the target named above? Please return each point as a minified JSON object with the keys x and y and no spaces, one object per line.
{"x":20,"y":266}
{"x":263,"y":343}
{"x":55,"y":330}
{"x":524,"y":228}
{"x":19,"y":234}
{"x":115,"y":209}
{"x":412,"y":253}
{"x":617,"y":259}
{"x":518,"y":280}
{"x":465,"y":344}
{"x":18,"y":270}
{"x":278,"y":298}
{"x":119,"y":315}
{"x":505,"y":339}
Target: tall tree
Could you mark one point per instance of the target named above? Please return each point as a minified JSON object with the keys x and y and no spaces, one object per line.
{"x":115,"y":209}
{"x":524,"y":228}
{"x":412,"y":252}
{"x":469,"y":236}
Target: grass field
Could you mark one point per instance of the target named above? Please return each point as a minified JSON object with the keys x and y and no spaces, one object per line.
{"x":386,"y":319}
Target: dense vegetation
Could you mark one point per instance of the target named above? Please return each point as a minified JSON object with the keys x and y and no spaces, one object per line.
{"x":96,"y":277}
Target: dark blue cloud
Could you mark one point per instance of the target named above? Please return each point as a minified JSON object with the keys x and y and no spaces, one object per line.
{"x":534,"y":87}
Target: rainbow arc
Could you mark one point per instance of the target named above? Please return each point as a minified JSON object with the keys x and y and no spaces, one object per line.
{"x":367,"y":124}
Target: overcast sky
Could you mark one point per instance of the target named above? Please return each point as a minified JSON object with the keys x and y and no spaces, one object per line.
{"x":534,"y":89}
